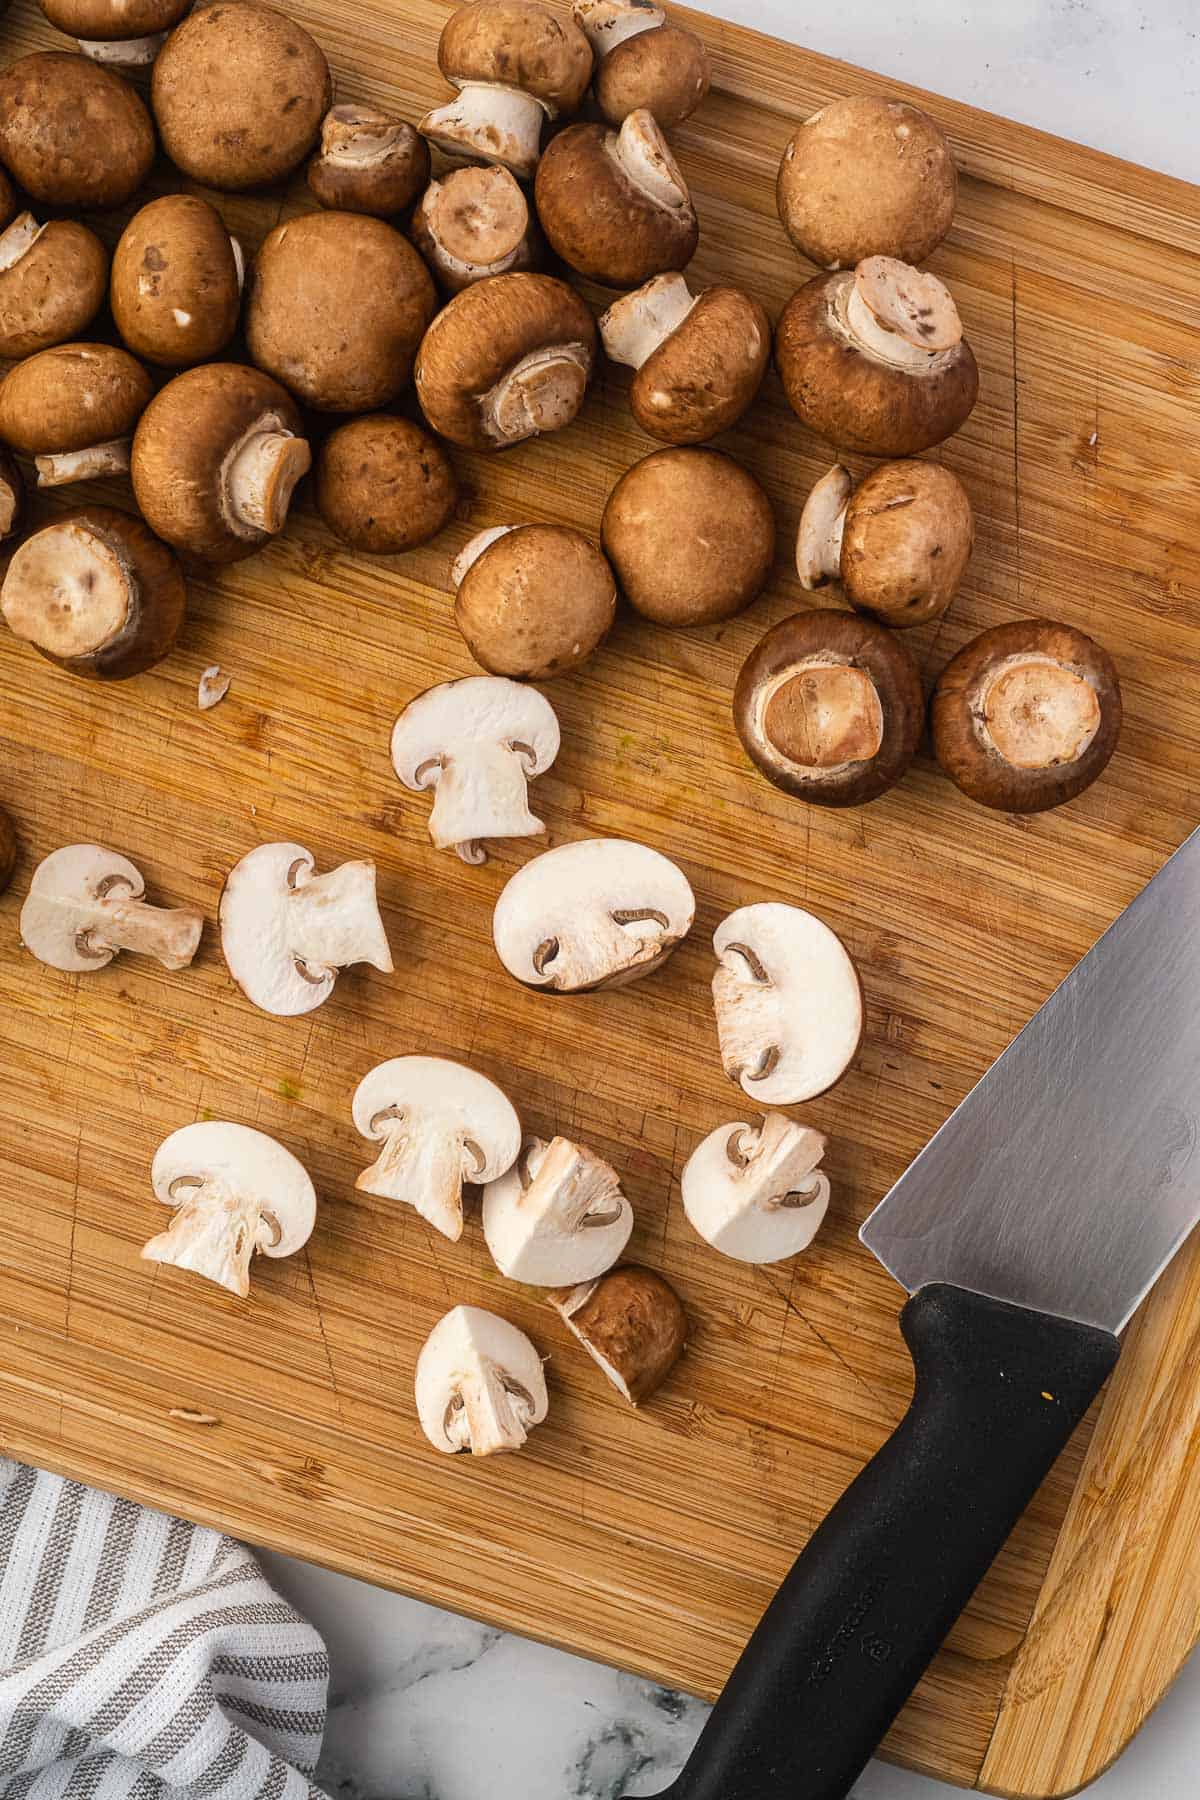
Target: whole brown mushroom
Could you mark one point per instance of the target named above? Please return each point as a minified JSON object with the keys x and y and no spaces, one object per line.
{"x":368,"y":162}
{"x":700,"y":361}
{"x":643,"y":60}
{"x":614,"y":204}
{"x":472,"y":223}
{"x":899,"y":544}
{"x":176,"y":282}
{"x":383,"y":485}
{"x":73,"y":410}
{"x":127,"y":34}
{"x":53,"y":279}
{"x":533,"y":601}
{"x":631,"y":1322}
{"x":73,"y":133}
{"x":8,"y":850}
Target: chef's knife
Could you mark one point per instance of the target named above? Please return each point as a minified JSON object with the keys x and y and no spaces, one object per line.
{"x":1026,"y":1232}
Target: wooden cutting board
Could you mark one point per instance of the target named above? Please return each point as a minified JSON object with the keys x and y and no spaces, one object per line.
{"x":652,"y":1540}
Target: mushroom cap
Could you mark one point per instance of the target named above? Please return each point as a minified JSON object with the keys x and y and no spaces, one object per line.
{"x":383,"y":485}
{"x":368,"y":162}
{"x":54,"y":288}
{"x":239,"y":92}
{"x":517,"y":43}
{"x":557,"y":1216}
{"x":442,"y":1096}
{"x":176,"y":293}
{"x":666,"y":70}
{"x":8,"y":849}
{"x":603,"y":222}
{"x":72,"y":397}
{"x":73,"y":133}
{"x":113,"y":21}
{"x":691,"y":536}
{"x":49,"y":926}
{"x":1027,"y":715}
{"x":907,"y":539}
{"x":536,"y":602}
{"x":473,"y":222}
{"x":704,"y":375}
{"x":867,"y":176}
{"x":630,"y":1321}
{"x":479,"y":1384}
{"x":239,"y":1157}
{"x":447,"y":720}
{"x":598,"y":913}
{"x":755,"y":1195}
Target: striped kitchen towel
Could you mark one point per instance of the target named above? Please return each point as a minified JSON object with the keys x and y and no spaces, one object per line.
{"x":143,"y":1657}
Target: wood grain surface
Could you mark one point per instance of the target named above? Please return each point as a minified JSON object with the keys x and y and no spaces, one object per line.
{"x":653,"y":1540}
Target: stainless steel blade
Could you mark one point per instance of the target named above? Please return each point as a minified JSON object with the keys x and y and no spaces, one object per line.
{"x":1068,"y":1177}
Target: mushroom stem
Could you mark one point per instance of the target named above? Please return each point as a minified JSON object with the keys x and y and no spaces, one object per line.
{"x":125,"y":53}
{"x":487,"y":1414}
{"x":356,"y":137}
{"x":901,"y":315}
{"x":489,"y":120}
{"x":19,"y":238}
{"x":779,"y":1161}
{"x":822,"y":525}
{"x":333,"y":921}
{"x":604,"y":942}
{"x":542,"y":392}
{"x":641,"y":150}
{"x":751,"y":1027}
{"x":82,"y":465}
{"x":480,"y":793}
{"x":117,"y":922}
{"x":473,"y":549}
{"x":261,"y":474}
{"x":424,"y":1169}
{"x":607,"y":23}
{"x":215,"y":1234}
{"x":635,"y":326}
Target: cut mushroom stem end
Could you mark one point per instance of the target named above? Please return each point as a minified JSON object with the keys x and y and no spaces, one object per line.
{"x":18,"y":240}
{"x":902,"y":315}
{"x":542,"y":392}
{"x":643,"y":153}
{"x":111,"y":458}
{"x":261,"y":474}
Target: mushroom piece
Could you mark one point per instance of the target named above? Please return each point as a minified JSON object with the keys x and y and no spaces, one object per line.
{"x":95,"y":592}
{"x":236,"y":1193}
{"x":757,"y":1195}
{"x":788,"y":1002}
{"x":334,"y":355}
{"x":875,"y":360}
{"x":53,"y":279}
{"x":176,"y":282}
{"x":598,"y":913}
{"x":239,"y":93}
{"x":533,"y":601}
{"x":72,"y":409}
{"x":830,"y":707}
{"x":1027,"y":715}
{"x":642,"y":60}
{"x":557,"y":1216}
{"x":700,"y":361}
{"x":508,"y":358}
{"x":217,"y":455}
{"x":383,"y":485}
{"x":439,"y":1124}
{"x":71,"y":132}
{"x":515,"y":64}
{"x":368,"y":162}
{"x":8,"y":850}
{"x":479,"y":1385}
{"x":867,"y":176}
{"x":85,"y":906}
{"x":691,"y":536}
{"x":477,"y":743}
{"x":630,"y":1321}
{"x":472,"y":223}
{"x":13,"y":502}
{"x":128,"y":34}
{"x":614,"y":204}
{"x":287,"y":932}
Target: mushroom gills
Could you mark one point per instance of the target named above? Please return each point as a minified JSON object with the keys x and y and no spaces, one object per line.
{"x":491,"y":121}
{"x":542,"y":392}
{"x":259,"y":476}
{"x":558,"y":1216}
{"x":641,"y":151}
{"x":823,"y":716}
{"x":900,"y":315}
{"x":215,"y":1233}
{"x":822,"y":528}
{"x":125,"y":53}
{"x":607,"y":23}
{"x":424,"y":1168}
{"x":66,"y":466}
{"x":1036,"y":713}
{"x":635,"y":325}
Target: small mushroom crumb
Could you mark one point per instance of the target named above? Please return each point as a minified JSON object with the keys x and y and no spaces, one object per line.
{"x":633,"y":1325}
{"x":757,"y":1194}
{"x":480,"y":1386}
{"x":189,"y":1417}
{"x":85,"y":905}
{"x":213,"y":687}
{"x":557,"y":1216}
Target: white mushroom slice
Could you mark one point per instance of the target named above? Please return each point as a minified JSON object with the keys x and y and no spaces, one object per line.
{"x":558,"y":1217}
{"x":479,"y":1385}
{"x":635,"y":325}
{"x":491,"y":122}
{"x":757,"y":1195}
{"x":788,"y":1003}
{"x":236,"y":1193}
{"x":85,"y":905}
{"x":476,"y":743}
{"x":598,"y":913}
{"x":439,"y":1124}
{"x":607,"y":23}
{"x":287,"y":932}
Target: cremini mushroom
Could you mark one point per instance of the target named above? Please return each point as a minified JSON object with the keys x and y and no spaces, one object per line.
{"x":217,"y":455}
{"x":368,"y":162}
{"x":598,"y":913}
{"x":176,"y":282}
{"x":472,"y":223}
{"x":757,"y":1193}
{"x":13,"y":500}
{"x":477,"y":743}
{"x":532,"y":601}
{"x":643,"y":60}
{"x":438,"y":1124}
{"x":479,"y":1384}
{"x":830,"y":707}
{"x":631,"y":1322}
{"x":874,"y":359}
{"x":1027,"y":715}
{"x":53,"y":279}
{"x":557,"y":1216}
{"x":127,"y":34}
{"x":236,"y":1194}
{"x":85,"y":905}
{"x":73,"y":410}
{"x":96,"y":592}
{"x":614,"y":204}
{"x":287,"y":932}
{"x":8,"y":849}
{"x":700,"y":360}
{"x":73,"y":133}
{"x":383,"y":485}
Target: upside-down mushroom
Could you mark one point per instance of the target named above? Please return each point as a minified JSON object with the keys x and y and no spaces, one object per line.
{"x":73,"y":410}
{"x":475,"y":222}
{"x":127,"y":34}
{"x":479,"y":1384}
{"x":614,"y":204}
{"x":557,"y":1215}
{"x":85,"y":905}
{"x":176,"y":282}
{"x":757,"y":1194}
{"x":53,"y":279}
{"x":532,"y":601}
{"x":700,"y":361}
{"x":368,"y":162}
{"x":643,"y":60}
{"x":383,"y":485}
{"x":631,"y":1322}
{"x":71,"y":132}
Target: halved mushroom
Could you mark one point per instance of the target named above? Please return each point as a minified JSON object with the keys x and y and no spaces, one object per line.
{"x":630,"y":1321}
{"x":177,"y":282}
{"x":216,"y":457}
{"x":236,"y":1194}
{"x":757,"y":1194}
{"x":287,"y":932}
{"x":384,"y":485}
{"x":472,"y":223}
{"x":477,"y":743}
{"x":13,"y":501}
{"x":874,"y":359}
{"x":533,"y":601}
{"x":368,"y":162}
{"x":642,"y":60}
{"x":53,"y":279}
{"x":95,"y":592}
{"x":599,"y":913}
{"x":830,"y":707}
{"x":788,"y":1002}
{"x":557,"y":1216}
{"x":8,"y":849}
{"x":507,"y":358}
{"x":700,"y":362}
{"x":614,"y":204}
{"x":127,"y":34}
{"x":85,"y":906}
{"x":73,"y":133}
{"x":439,"y":1124}
{"x":479,"y":1385}
{"x":73,"y":409}
{"x":1027,"y":715}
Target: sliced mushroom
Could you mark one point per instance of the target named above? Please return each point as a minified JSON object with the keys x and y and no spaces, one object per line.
{"x":757,"y":1194}
{"x":287,"y":932}
{"x":13,"y":500}
{"x":599,"y":913}
{"x":368,"y":162}
{"x":176,"y":282}
{"x":557,"y":1216}
{"x":477,"y":743}
{"x":383,"y":485}
{"x":439,"y":1124}
{"x":236,"y":1194}
{"x":630,"y":1321}
{"x":8,"y":850}
{"x":700,"y":362}
{"x":1027,"y":715}
{"x":642,"y":60}
{"x":614,"y":204}
{"x":73,"y":409}
{"x":472,"y":223}
{"x":127,"y":34}
{"x":53,"y":279}
{"x":533,"y":601}
{"x":85,"y":906}
{"x":788,"y":1003}
{"x":479,"y":1384}
{"x":73,"y":133}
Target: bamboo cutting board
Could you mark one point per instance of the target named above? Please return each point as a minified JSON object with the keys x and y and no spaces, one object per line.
{"x":651,"y":1540}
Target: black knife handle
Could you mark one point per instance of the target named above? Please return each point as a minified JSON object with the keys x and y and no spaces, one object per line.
{"x":999,"y":1390}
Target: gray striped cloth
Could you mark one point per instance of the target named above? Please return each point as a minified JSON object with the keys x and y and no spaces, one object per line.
{"x":143,"y":1657}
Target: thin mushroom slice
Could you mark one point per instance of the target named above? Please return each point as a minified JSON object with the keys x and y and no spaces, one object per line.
{"x":632,"y":1324}
{"x":479,"y":1384}
{"x":757,"y":1194}
{"x":558,"y":1216}
{"x":85,"y":906}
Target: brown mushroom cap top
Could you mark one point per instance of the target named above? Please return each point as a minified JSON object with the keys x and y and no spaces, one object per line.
{"x":666,"y":70}
{"x":614,"y":205}
{"x":53,"y":288}
{"x":906,"y":536}
{"x":705,"y":373}
{"x":113,"y":21}
{"x":517,"y":43}
{"x":175,"y":292}
{"x":383,"y":485}
{"x":71,"y":398}
{"x":1026,"y":715}
{"x":536,"y":602}
{"x":368,"y":162}
{"x":73,"y":133}
{"x":8,"y":849}
{"x":633,"y":1323}
{"x":239,"y":92}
